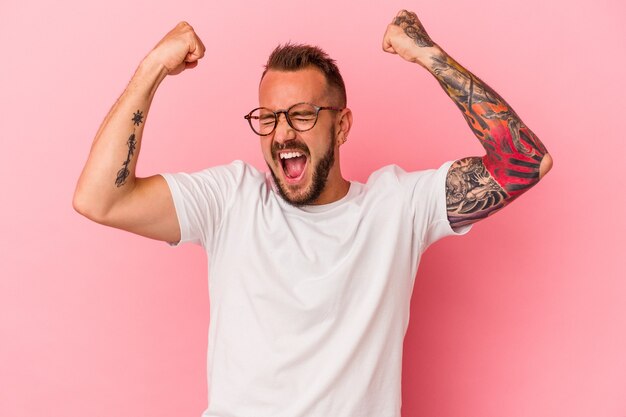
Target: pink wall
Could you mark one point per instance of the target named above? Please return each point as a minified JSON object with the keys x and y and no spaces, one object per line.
{"x":525,"y":316}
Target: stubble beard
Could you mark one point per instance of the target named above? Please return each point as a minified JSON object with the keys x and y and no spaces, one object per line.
{"x":318,"y":182}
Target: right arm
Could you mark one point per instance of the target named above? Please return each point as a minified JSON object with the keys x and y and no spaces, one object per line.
{"x":108,"y":191}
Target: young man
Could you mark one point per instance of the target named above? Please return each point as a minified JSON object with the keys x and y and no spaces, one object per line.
{"x":310,"y":274}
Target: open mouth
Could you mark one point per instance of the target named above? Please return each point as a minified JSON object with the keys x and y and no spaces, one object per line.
{"x":294,"y":165}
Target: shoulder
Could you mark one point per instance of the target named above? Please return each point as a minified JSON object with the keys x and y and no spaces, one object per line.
{"x":220,"y":182}
{"x":394,"y":175}
{"x":237,"y":171}
{"x":237,"y":168}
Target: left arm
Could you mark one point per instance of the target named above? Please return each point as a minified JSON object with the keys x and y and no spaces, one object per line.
{"x":516,"y":159}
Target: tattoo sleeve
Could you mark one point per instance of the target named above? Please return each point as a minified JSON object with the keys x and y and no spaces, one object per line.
{"x":124,"y":172}
{"x":477,"y":187}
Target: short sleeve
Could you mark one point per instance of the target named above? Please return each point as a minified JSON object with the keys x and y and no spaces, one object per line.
{"x":201,"y":199}
{"x":428,"y":200}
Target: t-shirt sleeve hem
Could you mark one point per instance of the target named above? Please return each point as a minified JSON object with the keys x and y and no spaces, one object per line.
{"x":450,"y":231}
{"x":440,"y":226}
{"x":179,"y":203}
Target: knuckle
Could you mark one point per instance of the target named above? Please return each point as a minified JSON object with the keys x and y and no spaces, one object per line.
{"x":185,"y":27}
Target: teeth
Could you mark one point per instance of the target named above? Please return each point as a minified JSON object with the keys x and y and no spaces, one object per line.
{"x":288,"y":155}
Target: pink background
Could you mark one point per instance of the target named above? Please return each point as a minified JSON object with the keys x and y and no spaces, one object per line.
{"x":525,"y":316}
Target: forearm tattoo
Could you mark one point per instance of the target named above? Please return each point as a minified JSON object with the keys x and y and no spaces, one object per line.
{"x":413,"y":28}
{"x":124,"y":172}
{"x":476,"y":187}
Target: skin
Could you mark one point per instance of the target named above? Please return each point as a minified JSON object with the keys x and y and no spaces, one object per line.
{"x":516,"y":160}
{"x":108,"y":192}
{"x":282,"y":89}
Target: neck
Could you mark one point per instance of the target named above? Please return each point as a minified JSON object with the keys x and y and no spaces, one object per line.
{"x":333,"y":192}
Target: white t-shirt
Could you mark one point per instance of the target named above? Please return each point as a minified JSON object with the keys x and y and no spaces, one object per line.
{"x":309,"y":306}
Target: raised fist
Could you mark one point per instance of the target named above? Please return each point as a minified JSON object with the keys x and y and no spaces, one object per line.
{"x":406,"y":37}
{"x":179,"y":50}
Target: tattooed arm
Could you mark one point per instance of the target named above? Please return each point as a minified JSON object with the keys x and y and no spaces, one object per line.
{"x":516,"y":159}
{"x":108,"y":191}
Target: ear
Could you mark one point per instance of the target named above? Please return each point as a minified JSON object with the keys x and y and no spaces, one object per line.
{"x":344,"y":124}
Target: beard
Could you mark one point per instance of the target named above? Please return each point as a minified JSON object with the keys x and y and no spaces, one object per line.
{"x":318,"y":182}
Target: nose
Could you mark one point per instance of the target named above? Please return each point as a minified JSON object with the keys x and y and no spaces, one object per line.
{"x":283,"y":131}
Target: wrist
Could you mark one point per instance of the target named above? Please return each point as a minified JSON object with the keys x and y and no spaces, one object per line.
{"x":148,"y":75}
{"x":151,"y":68}
{"x":426,"y":54}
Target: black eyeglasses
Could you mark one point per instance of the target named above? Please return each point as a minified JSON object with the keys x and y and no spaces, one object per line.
{"x":300,"y":117}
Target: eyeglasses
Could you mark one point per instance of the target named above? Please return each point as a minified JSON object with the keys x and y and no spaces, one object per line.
{"x":300,"y":117}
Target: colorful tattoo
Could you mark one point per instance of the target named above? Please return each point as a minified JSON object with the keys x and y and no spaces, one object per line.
{"x":514,"y":153}
{"x":124,"y":172}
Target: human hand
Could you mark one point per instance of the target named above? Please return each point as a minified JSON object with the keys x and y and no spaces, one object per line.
{"x":179,"y":50}
{"x":405,"y":36}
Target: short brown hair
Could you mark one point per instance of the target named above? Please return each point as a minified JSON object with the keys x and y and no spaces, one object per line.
{"x":292,"y":57}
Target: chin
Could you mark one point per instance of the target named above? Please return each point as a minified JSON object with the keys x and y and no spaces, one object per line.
{"x":301,"y":194}
{"x":297,"y":194}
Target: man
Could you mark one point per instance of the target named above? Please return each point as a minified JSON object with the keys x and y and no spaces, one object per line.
{"x":310,"y":274}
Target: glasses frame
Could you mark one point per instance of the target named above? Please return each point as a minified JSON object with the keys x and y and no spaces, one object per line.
{"x":277,"y":113}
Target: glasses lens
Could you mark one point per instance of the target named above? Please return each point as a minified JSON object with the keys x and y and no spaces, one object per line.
{"x":302,"y":116}
{"x":262,"y":121}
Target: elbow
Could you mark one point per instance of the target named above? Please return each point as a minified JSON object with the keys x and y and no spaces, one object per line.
{"x":81,"y":205}
{"x":545,"y":166}
{"x":84,"y":206}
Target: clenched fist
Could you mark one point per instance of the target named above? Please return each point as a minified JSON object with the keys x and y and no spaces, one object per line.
{"x":179,"y":50}
{"x":406,"y":37}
